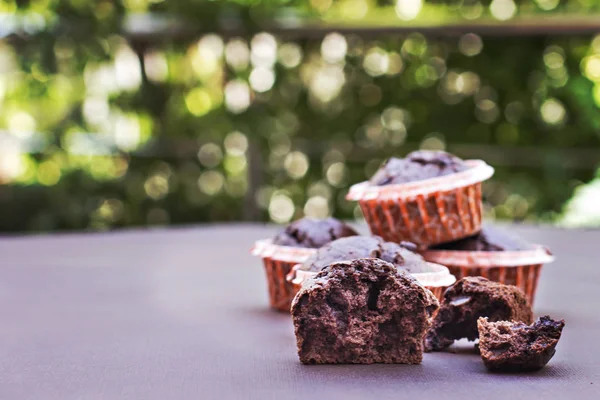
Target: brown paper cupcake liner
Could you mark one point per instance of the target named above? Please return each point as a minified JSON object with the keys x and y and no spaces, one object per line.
{"x":278,"y":261}
{"x":518,"y":268}
{"x":427,"y":212}
{"x":436,"y":280}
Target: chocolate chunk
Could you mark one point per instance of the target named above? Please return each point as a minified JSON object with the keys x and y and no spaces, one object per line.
{"x":489,"y":239}
{"x":416,"y":166}
{"x":313,"y":233}
{"x":469,"y":299}
{"x":362,"y":312}
{"x":515,"y":346}
{"x":367,"y":247}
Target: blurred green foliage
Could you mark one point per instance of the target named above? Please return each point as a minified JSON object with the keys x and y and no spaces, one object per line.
{"x":122,"y":113}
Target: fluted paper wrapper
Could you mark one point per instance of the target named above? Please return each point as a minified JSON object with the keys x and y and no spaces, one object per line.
{"x":518,"y":268}
{"x":278,"y":261}
{"x":428,"y":212}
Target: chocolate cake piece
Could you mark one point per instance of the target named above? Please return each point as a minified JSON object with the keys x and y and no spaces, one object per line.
{"x":517,"y":347}
{"x":367,"y":247}
{"x":489,"y":239}
{"x":416,"y":166}
{"x":313,"y":233}
{"x":362,"y":312}
{"x":469,"y":299}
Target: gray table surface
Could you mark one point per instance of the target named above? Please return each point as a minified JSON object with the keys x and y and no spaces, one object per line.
{"x":182,"y":314}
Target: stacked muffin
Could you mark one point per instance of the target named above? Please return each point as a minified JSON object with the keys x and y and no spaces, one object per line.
{"x":433,"y":199}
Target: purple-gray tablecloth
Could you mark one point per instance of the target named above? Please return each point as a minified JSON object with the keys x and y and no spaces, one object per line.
{"x":182,"y":314}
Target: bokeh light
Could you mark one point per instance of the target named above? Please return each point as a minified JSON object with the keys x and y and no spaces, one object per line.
{"x":236,"y":143}
{"x":237,"y":54}
{"x":470,"y":44}
{"x":553,"y":112}
{"x":317,"y":207}
{"x":503,"y":9}
{"x":296,"y":164}
{"x":408,"y":9}
{"x":263,"y":50}
{"x":262,"y":79}
{"x":281,"y":208}
{"x":334,"y":47}
{"x":290,"y":55}
{"x":211,"y":182}
{"x":237,"y":96}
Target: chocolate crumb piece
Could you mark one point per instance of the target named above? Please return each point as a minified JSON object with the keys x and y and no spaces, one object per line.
{"x":313,"y":233}
{"x":517,"y":347}
{"x":469,"y":299}
{"x":489,"y":239}
{"x":362,"y":311}
{"x":416,"y":166}
{"x":367,"y":247}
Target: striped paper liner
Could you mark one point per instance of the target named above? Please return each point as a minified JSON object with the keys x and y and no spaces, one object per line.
{"x":518,"y":268}
{"x":427,"y":212}
{"x":266,"y":248}
{"x":278,"y":261}
{"x":478,"y":171}
{"x":437,"y":280}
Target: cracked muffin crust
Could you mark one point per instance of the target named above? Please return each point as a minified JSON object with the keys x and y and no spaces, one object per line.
{"x":362,"y":312}
{"x":401,"y":255}
{"x":313,"y":233}
{"x":489,"y":239}
{"x":416,"y":166}
{"x":468,"y":300}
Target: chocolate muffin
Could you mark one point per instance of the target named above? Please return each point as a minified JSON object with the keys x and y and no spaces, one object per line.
{"x":468,"y":300}
{"x":416,"y":166}
{"x":362,"y":312}
{"x":313,"y":233}
{"x":489,"y":239}
{"x":401,"y":255}
{"x":517,"y":347}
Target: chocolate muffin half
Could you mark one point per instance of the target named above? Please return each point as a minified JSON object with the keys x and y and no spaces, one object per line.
{"x":518,"y":347}
{"x":362,"y":312}
{"x":468,"y":300}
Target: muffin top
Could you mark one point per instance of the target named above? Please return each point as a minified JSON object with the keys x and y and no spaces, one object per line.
{"x":351,"y":248}
{"x":313,"y":233}
{"x":416,"y":166}
{"x":489,"y":239}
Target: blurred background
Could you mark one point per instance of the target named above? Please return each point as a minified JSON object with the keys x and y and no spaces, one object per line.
{"x":120,"y":113}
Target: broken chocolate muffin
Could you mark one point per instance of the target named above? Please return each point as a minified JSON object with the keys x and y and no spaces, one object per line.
{"x":362,"y":311}
{"x":469,"y":299}
{"x":401,"y":255}
{"x":416,"y":166}
{"x":489,"y":239}
{"x":313,"y":233}
{"x":518,"y":347}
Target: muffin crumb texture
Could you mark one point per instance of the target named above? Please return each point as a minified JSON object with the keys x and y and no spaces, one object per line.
{"x":363,"y":311}
{"x":517,"y":347}
{"x":468,"y":300}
